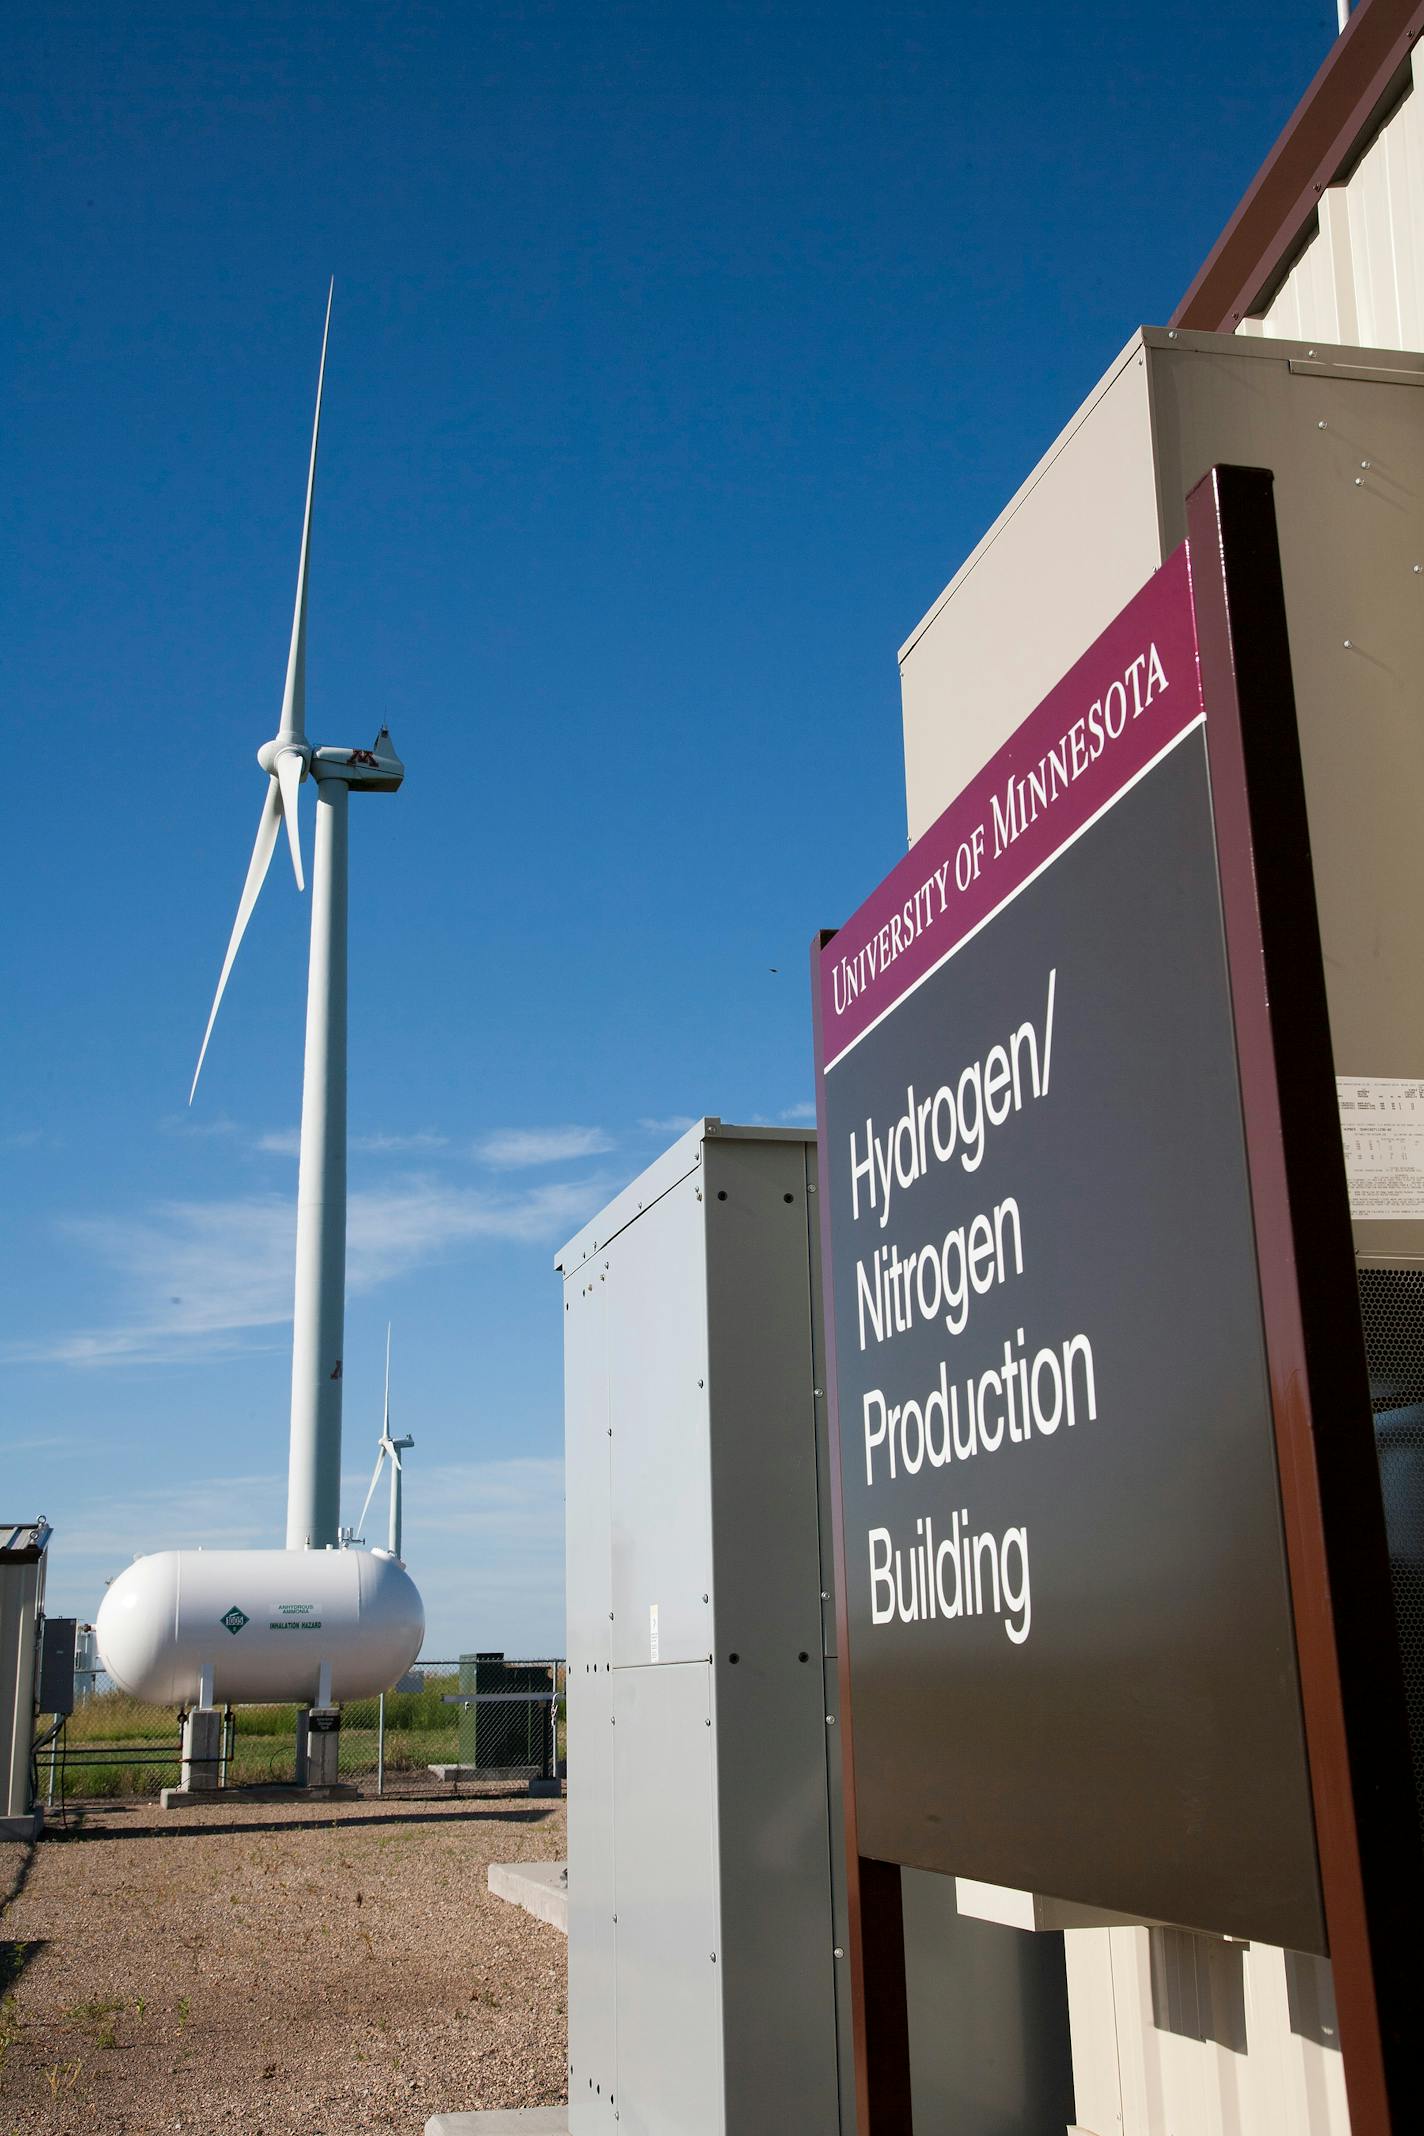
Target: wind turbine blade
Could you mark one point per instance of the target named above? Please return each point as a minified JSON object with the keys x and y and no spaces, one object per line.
{"x":289,"y":778}
{"x":386,"y":1419}
{"x":256,"y":875}
{"x":375,"y":1479}
{"x":294,"y":695}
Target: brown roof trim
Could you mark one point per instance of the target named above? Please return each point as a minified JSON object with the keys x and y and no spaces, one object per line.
{"x":1325,"y":133}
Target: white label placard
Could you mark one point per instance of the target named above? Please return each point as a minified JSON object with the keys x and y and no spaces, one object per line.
{"x":652,"y":1631}
{"x":1382,"y":1126}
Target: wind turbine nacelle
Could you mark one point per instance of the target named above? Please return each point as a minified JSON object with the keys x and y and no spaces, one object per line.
{"x":377,"y":770}
{"x":263,"y":1621}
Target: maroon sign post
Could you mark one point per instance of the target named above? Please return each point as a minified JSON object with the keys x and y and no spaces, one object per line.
{"x":1115,"y":1613}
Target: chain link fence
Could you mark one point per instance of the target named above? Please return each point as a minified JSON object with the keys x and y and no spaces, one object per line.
{"x":509,"y":1712}
{"x":393,"y":1740}
{"x":113,"y":1745}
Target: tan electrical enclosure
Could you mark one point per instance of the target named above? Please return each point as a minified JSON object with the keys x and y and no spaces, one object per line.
{"x":1342,"y":430}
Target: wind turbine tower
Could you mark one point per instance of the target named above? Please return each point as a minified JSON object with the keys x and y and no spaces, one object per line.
{"x":289,"y":761}
{"x":202,"y":1628}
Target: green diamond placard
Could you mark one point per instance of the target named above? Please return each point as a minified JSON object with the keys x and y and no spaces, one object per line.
{"x":234,"y":1620}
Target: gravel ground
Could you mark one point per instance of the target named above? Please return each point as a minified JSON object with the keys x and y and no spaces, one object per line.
{"x":277,"y":1970}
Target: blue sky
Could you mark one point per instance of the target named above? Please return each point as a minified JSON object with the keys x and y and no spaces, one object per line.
{"x":678,"y":357}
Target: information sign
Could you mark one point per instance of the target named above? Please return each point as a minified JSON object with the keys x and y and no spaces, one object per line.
{"x":1072,"y":1660}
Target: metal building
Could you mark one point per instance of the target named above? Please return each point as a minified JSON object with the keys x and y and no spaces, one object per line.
{"x":1328,"y":240}
{"x":22,"y":1565}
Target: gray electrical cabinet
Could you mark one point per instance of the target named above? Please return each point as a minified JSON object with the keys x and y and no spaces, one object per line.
{"x":707,"y":1990}
{"x":22,"y":1570}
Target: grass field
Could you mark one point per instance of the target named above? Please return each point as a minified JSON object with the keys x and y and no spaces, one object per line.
{"x":420,"y":1730}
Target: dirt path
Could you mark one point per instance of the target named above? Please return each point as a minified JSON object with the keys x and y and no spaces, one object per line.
{"x":276,"y":1970}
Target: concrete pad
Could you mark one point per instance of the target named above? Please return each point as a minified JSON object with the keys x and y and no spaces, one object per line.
{"x":454,"y":1774}
{"x":201,"y":1798}
{"x":541,"y":1888}
{"x":27,"y":1827}
{"x":502,"y":2121}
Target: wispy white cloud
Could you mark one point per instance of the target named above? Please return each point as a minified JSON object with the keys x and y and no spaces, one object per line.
{"x":198,"y":1277}
{"x":192,"y":1273}
{"x":424,"y":1139}
{"x":287,"y":1142}
{"x":674,"y":1124}
{"x":483,"y":1540}
{"x":197,"y":1126}
{"x":241,"y":1511}
{"x":22,"y":1138}
{"x":485,"y":1544}
{"x":513,"y":1148}
{"x":518,"y":1501}
{"x":390,"y":1229}
{"x":802,"y":1115}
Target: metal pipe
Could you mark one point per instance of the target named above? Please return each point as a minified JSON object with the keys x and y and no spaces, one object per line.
{"x":381,"y":1744}
{"x":314,"y":1471}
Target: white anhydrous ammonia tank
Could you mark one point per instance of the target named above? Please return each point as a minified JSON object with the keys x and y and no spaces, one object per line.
{"x":264,"y":1621}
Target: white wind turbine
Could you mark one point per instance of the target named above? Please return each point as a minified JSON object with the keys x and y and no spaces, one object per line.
{"x":392,"y":1448}
{"x":314,"y":1468}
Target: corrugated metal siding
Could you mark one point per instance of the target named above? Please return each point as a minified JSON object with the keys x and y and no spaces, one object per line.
{"x":1360,"y":279}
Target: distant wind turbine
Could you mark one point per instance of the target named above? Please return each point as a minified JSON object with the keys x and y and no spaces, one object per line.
{"x":392,"y":1448}
{"x":314,"y":1467}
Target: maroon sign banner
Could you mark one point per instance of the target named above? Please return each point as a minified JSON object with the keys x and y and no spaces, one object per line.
{"x":1130,"y":697}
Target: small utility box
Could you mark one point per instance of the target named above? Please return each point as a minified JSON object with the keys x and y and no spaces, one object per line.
{"x":507,"y":1722}
{"x":55,"y":1690}
{"x":704,"y":1931}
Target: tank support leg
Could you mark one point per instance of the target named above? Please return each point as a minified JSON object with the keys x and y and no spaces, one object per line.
{"x":200,"y":1774}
